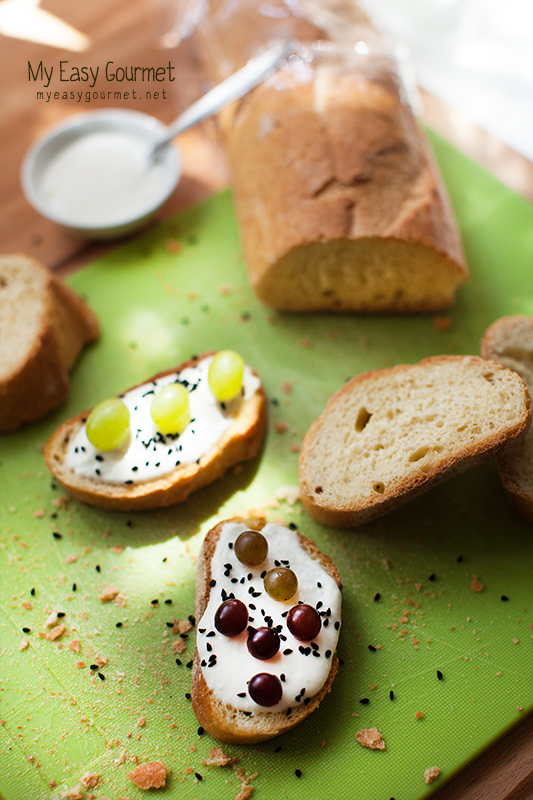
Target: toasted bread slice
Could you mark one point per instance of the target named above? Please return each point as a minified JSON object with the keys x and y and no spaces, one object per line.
{"x":156,"y":470}
{"x":510,"y":341}
{"x":223,"y":666}
{"x":43,"y":326}
{"x":389,"y":434}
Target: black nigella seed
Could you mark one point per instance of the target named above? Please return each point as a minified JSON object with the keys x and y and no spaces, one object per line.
{"x":129,"y":523}
{"x":292,"y":526}
{"x":440,"y":676}
{"x":432,"y":577}
{"x":61,"y":614}
{"x":57,"y":535}
{"x":372,"y":648}
{"x":126,"y":482}
{"x":278,"y":748}
{"x":212,"y":582}
{"x":169,"y":624}
{"x":200,"y":731}
{"x":93,"y":666}
{"x":98,"y":568}
{"x":154,"y":602}
{"x":328,"y":653}
{"x":26,"y":630}
{"x":187,"y":695}
{"x":298,"y":773}
{"x":192,"y":619}
{"x":101,"y":676}
{"x":74,"y":587}
{"x":198,"y":776}
{"x":504,"y":598}
{"x":364,"y":701}
{"x":33,"y":592}
{"x":119,"y":625}
{"x":391,"y":694}
{"x":287,"y":652}
{"x":168,"y":602}
{"x":178,"y":662}
{"x":241,"y":694}
{"x":459,"y":559}
{"x":97,"y":471}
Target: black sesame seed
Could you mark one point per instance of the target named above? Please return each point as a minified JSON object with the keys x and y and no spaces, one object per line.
{"x":74,"y":587}
{"x":33,"y":592}
{"x":328,"y":653}
{"x":391,"y":695}
{"x":26,"y":630}
{"x":364,"y":701}
{"x":241,"y":694}
{"x":212,"y":582}
{"x":372,"y":648}
{"x":504,"y":598}
{"x":187,"y":695}
{"x":198,"y":776}
{"x":432,"y":577}
{"x":101,"y":676}
{"x":178,"y":662}
{"x":118,"y":625}
{"x":128,"y":482}
{"x":168,"y":602}
{"x":440,"y":676}
{"x":298,"y":773}
{"x":377,"y":596}
{"x":93,"y":666}
{"x":287,"y":652}
{"x":337,"y":625}
{"x":169,"y":624}
{"x":192,"y":619}
{"x":278,"y":748}
{"x":57,"y":535}
{"x":154,"y":602}
{"x":61,"y":614}
{"x":98,"y":568}
{"x":459,"y":559}
{"x":292,"y":526}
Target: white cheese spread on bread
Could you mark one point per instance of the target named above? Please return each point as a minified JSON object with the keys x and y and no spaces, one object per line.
{"x":148,"y":453}
{"x":302,"y":667}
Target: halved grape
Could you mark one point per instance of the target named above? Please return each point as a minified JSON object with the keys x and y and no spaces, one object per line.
{"x":225,"y":374}
{"x":251,"y":548}
{"x":263,"y":643}
{"x":281,"y":583}
{"x":304,"y":622}
{"x":231,"y":617}
{"x":265,"y":689}
{"x":170,"y":408}
{"x":108,"y":424}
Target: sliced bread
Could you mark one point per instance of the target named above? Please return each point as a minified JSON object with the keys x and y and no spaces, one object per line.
{"x":224,"y":666}
{"x":389,"y":434}
{"x":44,"y":325}
{"x":151,"y":469}
{"x":510,"y":341}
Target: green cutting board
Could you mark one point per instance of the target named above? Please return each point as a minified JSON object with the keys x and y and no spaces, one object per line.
{"x":462,"y":658}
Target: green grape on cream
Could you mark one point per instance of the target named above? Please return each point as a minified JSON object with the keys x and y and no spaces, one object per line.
{"x":226,"y":374}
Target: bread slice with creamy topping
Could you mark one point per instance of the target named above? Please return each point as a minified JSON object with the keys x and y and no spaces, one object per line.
{"x":44,"y":325}
{"x":390,"y":434}
{"x":221,"y":718}
{"x":110,"y":480}
{"x":509,"y":340}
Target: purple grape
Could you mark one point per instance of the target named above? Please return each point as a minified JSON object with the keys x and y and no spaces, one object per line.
{"x":304,"y":622}
{"x":265,"y":689}
{"x":231,"y":617}
{"x":263,"y":643}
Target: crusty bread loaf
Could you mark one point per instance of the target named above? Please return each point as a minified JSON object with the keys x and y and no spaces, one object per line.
{"x":222,"y":720}
{"x":43,"y":326}
{"x":510,"y":341}
{"x":339,"y":201}
{"x":389,"y":434}
{"x":239,"y":442}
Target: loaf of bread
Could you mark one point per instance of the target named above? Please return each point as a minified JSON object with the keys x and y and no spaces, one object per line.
{"x":389,"y":434}
{"x":262,"y":664}
{"x":43,"y":327}
{"x":510,"y":341}
{"x":152,"y":469}
{"x":339,"y":201}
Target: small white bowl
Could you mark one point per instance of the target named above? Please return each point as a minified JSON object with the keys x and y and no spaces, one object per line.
{"x":96,"y":210}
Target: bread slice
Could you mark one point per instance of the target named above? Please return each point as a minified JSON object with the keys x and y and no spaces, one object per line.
{"x":238,"y":442}
{"x":389,"y":434}
{"x":510,"y":341}
{"x":43,"y":327}
{"x":340,"y":204}
{"x":252,"y":723}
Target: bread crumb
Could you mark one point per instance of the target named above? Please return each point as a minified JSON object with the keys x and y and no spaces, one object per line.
{"x":109,"y":593}
{"x":431,"y":774}
{"x":27,"y":606}
{"x":141,"y":722}
{"x":74,"y":645}
{"x":71,"y":559}
{"x":246,"y":789}
{"x":55,"y":633}
{"x":306,"y":342}
{"x":419,"y":715}
{"x":218,"y":758}
{"x":51,"y":621}
{"x":179,"y":646}
{"x":476,"y":584}
{"x":71,"y":794}
{"x":80,"y":664}
{"x":173,"y":246}
{"x":289,"y":493}
{"x":89,"y":780}
{"x":442,"y":323}
{"x":151,"y":775}
{"x":286,"y":387}
{"x":181,"y":626}
{"x":371,"y":738}
{"x":39,"y":513}
{"x":24,"y":644}
{"x":281,"y":427}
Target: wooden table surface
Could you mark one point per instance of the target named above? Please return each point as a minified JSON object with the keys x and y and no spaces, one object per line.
{"x":132,"y":31}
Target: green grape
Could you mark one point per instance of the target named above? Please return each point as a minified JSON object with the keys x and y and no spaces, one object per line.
{"x":108,"y":424}
{"x":281,"y":583}
{"x":251,"y":548}
{"x":225,"y":374}
{"x":170,"y":408}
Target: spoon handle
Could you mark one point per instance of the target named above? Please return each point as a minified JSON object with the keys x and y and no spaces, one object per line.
{"x":224,"y":93}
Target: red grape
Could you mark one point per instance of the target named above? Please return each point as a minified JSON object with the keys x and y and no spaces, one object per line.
{"x":304,"y":622}
{"x":265,"y":689}
{"x":231,"y":617}
{"x":263,"y":643}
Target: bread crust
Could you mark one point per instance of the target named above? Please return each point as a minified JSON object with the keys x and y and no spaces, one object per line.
{"x":351,"y":511}
{"x":39,"y":382}
{"x":509,"y":340}
{"x":241,"y":442}
{"x":221,"y":722}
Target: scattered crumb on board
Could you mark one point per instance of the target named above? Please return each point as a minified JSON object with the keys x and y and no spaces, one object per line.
{"x":151,"y":775}
{"x":431,"y":774}
{"x":371,"y":738}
